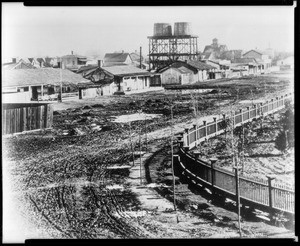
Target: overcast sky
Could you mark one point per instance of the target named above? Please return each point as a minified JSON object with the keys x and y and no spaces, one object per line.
{"x":41,"y":31}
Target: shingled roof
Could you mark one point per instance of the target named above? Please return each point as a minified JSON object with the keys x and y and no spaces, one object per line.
{"x":42,"y":76}
{"x":125,"y":70}
{"x":199,"y":65}
{"x":116,"y":57}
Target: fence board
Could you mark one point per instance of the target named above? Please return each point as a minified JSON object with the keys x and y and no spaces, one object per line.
{"x":25,"y":117}
{"x":3,"y":122}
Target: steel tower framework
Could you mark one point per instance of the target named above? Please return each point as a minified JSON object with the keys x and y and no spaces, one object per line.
{"x":165,"y":50}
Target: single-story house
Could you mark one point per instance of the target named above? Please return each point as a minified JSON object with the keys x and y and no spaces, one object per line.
{"x":221,"y":70}
{"x":116,"y":78}
{"x":177,"y":75}
{"x":250,"y":64}
{"x":185,"y":72}
{"x":117,"y":59}
{"x":287,"y":63}
{"x":25,"y":85}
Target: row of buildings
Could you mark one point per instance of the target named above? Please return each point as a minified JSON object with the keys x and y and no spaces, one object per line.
{"x":31,"y":79}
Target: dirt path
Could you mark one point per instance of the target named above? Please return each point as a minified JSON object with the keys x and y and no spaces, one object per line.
{"x":158,"y":212}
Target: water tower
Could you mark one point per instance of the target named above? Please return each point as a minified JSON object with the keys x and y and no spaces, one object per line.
{"x":165,"y":48}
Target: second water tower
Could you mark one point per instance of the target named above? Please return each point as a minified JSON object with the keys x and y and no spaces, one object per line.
{"x":182,"y":29}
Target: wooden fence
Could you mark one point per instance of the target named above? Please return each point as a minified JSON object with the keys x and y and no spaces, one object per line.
{"x":20,"y":117}
{"x":261,"y":194}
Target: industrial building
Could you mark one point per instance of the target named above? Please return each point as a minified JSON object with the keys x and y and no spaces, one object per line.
{"x":166,"y":47}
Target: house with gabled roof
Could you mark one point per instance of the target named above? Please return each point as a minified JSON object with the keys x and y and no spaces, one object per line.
{"x":261,"y":58}
{"x":37,"y":84}
{"x":73,"y":61}
{"x":185,"y":72}
{"x":116,"y":59}
{"x":213,"y":51}
{"x":115,"y":78}
{"x":21,"y":64}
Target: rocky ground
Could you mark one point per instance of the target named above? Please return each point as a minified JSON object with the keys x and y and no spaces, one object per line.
{"x":81,"y":179}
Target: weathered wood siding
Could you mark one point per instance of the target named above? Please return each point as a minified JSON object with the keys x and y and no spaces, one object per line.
{"x":20,"y":117}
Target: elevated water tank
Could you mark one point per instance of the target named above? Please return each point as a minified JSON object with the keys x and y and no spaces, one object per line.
{"x":162,"y":29}
{"x":182,"y":28}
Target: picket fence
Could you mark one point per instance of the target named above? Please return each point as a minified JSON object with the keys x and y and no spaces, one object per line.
{"x":258,"y":193}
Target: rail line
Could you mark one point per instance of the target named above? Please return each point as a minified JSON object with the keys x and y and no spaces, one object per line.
{"x":262,"y":194}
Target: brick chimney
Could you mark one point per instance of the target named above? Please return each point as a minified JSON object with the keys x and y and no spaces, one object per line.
{"x":100,"y":63}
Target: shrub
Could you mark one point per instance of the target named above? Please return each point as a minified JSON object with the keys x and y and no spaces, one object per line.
{"x":280,"y":142}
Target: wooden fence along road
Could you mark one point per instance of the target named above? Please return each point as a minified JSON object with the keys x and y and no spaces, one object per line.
{"x":260,"y":194}
{"x":21,"y":117}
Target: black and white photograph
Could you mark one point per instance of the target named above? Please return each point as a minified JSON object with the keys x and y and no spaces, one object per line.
{"x":148,"y":122}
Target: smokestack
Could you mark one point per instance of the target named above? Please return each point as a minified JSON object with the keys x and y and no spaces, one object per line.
{"x":14,"y":60}
{"x":141,"y":57}
{"x":100,"y":63}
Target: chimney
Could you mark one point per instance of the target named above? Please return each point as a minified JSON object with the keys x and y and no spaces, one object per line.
{"x":122,"y":51}
{"x":72,"y":52}
{"x":100,"y":63}
{"x":14,"y":60}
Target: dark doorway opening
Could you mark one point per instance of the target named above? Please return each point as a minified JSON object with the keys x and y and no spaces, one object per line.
{"x":34,"y":93}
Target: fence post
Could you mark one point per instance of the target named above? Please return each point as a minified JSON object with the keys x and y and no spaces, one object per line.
{"x":180,"y":143}
{"x":204,"y":123}
{"x":195,"y":128}
{"x":215,"y":120}
{"x":255,"y":107}
{"x":267,"y":103}
{"x":237,"y":192}
{"x":248,"y":108}
{"x":261,"y":109}
{"x":213,"y":160}
{"x":241,"y":112}
{"x":270,"y":178}
{"x":197,"y":154}
{"x":272,"y":103}
{"x":187,"y":136}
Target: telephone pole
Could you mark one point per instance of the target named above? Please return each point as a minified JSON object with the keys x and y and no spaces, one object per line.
{"x":172,"y":162}
{"x":59,"y":98}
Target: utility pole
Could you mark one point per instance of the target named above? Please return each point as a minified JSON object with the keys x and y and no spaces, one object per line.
{"x":146,"y":133}
{"x":236,"y":169}
{"x":140,"y":157}
{"x":131,"y":142}
{"x":59,"y":98}
{"x":172,"y":162}
{"x":140,"y":57}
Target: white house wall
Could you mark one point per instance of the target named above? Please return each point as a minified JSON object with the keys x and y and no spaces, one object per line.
{"x":135,"y":83}
{"x":19,"y":97}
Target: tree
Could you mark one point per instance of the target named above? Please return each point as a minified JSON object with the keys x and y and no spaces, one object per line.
{"x":287,"y":124}
{"x":281,"y":141}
